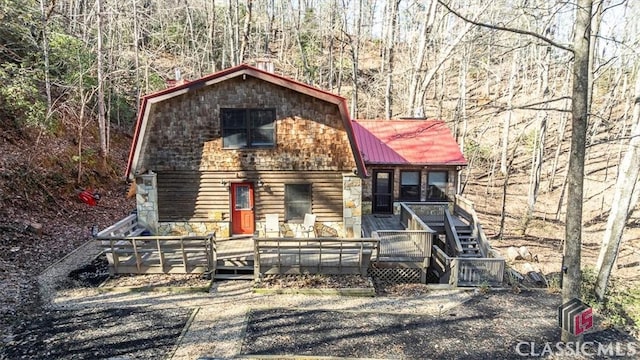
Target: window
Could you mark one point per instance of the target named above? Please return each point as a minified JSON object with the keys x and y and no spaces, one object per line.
{"x":410,"y":185}
{"x":247,"y":128}
{"x":437,"y":185}
{"x":297,"y":201}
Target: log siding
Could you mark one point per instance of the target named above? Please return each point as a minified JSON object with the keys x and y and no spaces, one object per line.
{"x":203,"y":196}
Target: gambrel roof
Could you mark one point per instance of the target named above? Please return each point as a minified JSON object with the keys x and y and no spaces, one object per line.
{"x":243,"y":70}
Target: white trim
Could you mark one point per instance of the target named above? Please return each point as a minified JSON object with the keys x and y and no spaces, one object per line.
{"x":136,"y":153}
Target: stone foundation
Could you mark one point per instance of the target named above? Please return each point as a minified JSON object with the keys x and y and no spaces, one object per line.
{"x":194,"y":228}
{"x":326,"y":229}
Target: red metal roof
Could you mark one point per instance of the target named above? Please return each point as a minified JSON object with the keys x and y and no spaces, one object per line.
{"x":417,"y":142}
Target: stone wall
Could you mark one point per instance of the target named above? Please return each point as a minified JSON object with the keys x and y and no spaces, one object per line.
{"x":352,"y":208}
{"x":288,"y":229}
{"x":194,"y":228}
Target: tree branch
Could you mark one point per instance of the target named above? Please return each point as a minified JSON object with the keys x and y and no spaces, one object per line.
{"x":502,"y":28}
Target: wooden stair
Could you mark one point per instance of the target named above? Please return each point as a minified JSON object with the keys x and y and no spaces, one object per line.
{"x":234,"y":269}
{"x":470,"y":248}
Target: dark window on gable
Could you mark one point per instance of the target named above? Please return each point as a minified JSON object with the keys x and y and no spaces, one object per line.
{"x":297,"y":201}
{"x":410,"y":185}
{"x":437,"y":185}
{"x":248,"y":128}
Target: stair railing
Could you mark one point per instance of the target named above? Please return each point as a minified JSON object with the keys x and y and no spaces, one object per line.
{"x":466,"y":209}
{"x":453,"y":241}
{"x":213,"y":246}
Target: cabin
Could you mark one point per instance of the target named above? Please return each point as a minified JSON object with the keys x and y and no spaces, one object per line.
{"x":409,"y":160}
{"x":220,"y":153}
{"x":245,"y":173}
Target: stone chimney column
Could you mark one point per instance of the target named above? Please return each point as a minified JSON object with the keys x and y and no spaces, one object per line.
{"x":147,"y":201}
{"x":352,"y":205}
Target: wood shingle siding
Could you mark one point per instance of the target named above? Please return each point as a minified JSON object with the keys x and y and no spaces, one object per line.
{"x":191,"y":195}
{"x":184,"y":132}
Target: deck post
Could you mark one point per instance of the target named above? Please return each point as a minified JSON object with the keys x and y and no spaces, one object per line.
{"x":256,"y":260}
{"x":160,"y":254}
{"x":184,"y":256}
{"x":116,"y":261}
{"x":137,"y":255}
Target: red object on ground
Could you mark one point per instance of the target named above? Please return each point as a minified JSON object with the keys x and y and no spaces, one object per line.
{"x":88,"y":198}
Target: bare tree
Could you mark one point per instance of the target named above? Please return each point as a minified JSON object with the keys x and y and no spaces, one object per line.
{"x":102,"y":123}
{"x":45,"y":54}
{"x":389,"y":53}
{"x":572,"y":279}
{"x":624,"y":198}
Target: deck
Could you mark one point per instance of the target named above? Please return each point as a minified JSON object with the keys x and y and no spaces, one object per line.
{"x":375,"y":222}
{"x":450,"y":245}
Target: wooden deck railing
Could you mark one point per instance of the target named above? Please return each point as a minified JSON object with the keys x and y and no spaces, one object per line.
{"x":477,"y":271}
{"x":403,"y":244}
{"x":458,"y":271}
{"x":158,"y":254}
{"x":441,"y":262}
{"x":464,"y":208}
{"x":314,"y":255}
{"x":410,"y":219}
{"x":453,"y":245}
{"x":426,"y":212}
{"x":128,"y":226}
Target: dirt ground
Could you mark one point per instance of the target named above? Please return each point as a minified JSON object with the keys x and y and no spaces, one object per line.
{"x":500,"y":325}
{"x":129,"y":333}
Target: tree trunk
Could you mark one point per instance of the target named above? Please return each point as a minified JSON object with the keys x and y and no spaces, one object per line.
{"x":418,"y":62}
{"x":462,"y":108}
{"x":45,"y":55}
{"x":506,"y":122}
{"x":245,"y":31}
{"x":102,"y":123}
{"x":623,"y":199}
{"x":579,"y":112}
{"x":562,"y":125}
{"x":392,"y":17}
{"x":136,"y":41}
{"x":538,"y":152}
{"x":444,"y":56}
{"x":355,"y":52}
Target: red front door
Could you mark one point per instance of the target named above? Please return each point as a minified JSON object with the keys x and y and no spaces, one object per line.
{"x":242,"y":219}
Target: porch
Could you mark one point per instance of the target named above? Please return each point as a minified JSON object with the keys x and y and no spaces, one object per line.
{"x":424,"y":241}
